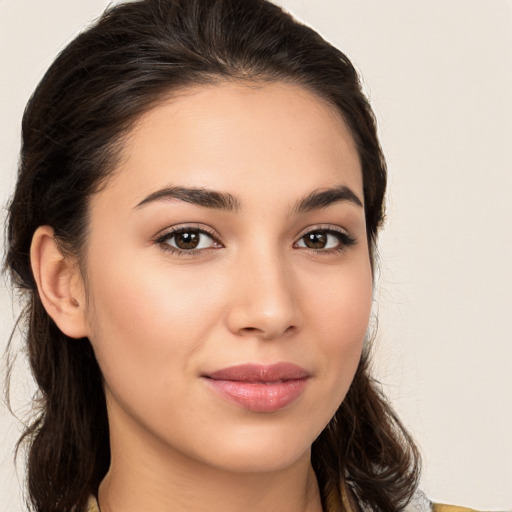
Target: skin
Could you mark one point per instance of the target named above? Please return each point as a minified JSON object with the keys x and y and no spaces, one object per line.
{"x":253,"y":292}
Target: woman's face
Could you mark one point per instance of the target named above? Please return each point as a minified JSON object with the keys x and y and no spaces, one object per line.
{"x":228,"y":277}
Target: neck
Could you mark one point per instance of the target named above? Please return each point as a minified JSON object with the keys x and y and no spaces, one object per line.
{"x":149,"y":476}
{"x":213,"y":493}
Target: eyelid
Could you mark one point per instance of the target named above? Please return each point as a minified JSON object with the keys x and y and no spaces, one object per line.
{"x":177,"y":228}
{"x":346,"y":238}
{"x":163,"y":235}
{"x":325,"y":227}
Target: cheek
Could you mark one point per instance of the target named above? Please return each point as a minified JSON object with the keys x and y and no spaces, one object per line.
{"x":145,"y":329}
{"x":343,"y":313}
{"x":151,"y":300}
{"x":343,"y":299}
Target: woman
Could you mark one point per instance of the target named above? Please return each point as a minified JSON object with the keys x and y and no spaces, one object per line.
{"x":194,"y":225}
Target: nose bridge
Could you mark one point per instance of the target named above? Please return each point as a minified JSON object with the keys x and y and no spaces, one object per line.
{"x":265,"y":302}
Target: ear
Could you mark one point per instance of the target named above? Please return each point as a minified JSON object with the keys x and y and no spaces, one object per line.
{"x":59,"y":283}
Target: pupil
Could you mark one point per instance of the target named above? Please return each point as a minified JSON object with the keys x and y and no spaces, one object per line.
{"x":316,"y":240}
{"x":187,"y":240}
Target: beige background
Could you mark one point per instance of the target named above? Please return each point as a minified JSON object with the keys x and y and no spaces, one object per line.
{"x":439,"y":76}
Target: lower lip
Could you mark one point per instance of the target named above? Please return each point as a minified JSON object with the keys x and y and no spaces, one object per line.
{"x":259,"y":396}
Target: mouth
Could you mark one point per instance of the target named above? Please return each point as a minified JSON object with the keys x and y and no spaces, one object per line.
{"x":259,"y":388}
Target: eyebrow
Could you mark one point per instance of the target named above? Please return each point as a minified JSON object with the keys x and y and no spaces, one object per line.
{"x":198,"y":196}
{"x":323,"y":198}
{"x":225,"y":201}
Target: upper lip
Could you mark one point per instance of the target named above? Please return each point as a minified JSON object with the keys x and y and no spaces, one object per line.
{"x":260,"y":373}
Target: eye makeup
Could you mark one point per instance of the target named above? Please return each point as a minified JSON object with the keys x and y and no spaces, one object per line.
{"x":190,"y":240}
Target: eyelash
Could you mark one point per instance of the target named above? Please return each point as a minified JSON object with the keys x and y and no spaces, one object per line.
{"x":345,"y":240}
{"x":163,"y":240}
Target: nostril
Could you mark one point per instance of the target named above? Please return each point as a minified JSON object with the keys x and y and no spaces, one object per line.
{"x":250,"y":330}
{"x":267,"y":334}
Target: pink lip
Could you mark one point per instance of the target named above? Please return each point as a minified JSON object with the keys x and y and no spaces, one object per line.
{"x":260,"y":388}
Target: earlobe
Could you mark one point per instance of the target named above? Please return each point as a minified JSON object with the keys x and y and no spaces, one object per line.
{"x":59,"y":283}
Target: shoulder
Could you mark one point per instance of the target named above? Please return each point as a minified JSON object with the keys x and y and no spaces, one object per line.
{"x":420,"y":503}
{"x":440,"y":507}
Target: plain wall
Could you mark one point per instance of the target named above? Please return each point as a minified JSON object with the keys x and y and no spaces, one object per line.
{"x":439,"y":77}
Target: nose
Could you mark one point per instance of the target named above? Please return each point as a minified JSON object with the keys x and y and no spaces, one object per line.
{"x":263,"y":302}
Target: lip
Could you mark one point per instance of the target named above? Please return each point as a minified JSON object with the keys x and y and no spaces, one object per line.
{"x":259,"y":388}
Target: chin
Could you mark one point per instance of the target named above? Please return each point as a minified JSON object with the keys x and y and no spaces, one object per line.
{"x":262,"y":460}
{"x":263,"y":450}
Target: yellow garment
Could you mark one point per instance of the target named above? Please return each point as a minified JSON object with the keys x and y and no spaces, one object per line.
{"x":92,"y":505}
{"x":439,"y":507}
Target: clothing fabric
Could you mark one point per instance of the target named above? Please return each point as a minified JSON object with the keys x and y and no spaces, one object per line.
{"x":92,"y":505}
{"x":419,"y":503}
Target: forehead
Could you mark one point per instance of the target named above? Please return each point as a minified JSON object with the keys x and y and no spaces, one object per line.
{"x":239,"y":138}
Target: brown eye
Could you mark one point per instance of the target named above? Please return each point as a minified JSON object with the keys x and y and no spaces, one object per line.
{"x":315,"y":240}
{"x":325,"y":240}
{"x":187,"y":239}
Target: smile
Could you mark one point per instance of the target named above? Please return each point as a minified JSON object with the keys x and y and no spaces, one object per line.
{"x":260,"y":388}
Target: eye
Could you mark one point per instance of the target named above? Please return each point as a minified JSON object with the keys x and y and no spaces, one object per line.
{"x":325,"y":240}
{"x":187,"y":240}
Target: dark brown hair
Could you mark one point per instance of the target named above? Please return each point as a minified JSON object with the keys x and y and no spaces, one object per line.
{"x":73,"y":128}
